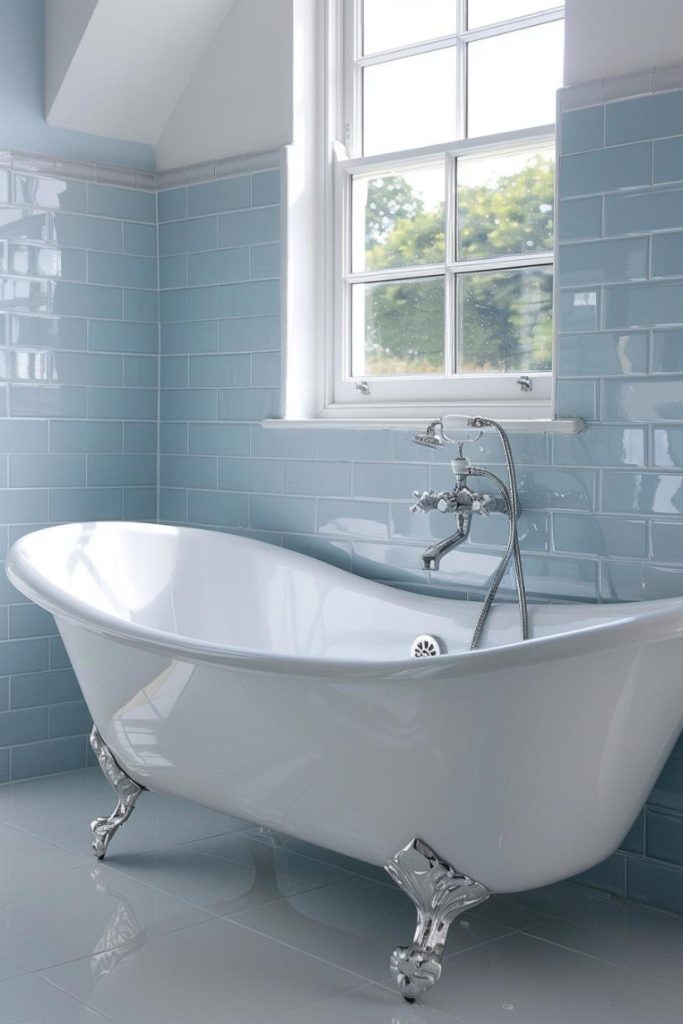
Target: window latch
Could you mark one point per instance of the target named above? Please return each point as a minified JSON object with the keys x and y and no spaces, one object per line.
{"x":525,"y":382}
{"x":363,"y":387}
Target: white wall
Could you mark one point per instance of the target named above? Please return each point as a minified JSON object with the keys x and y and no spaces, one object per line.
{"x":239,"y":99}
{"x":65,"y":23}
{"x":616,"y":37}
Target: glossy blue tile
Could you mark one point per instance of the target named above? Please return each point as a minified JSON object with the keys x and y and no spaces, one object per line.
{"x":50,"y":193}
{"x":579,"y":218}
{"x":610,"y":536}
{"x":122,"y":404}
{"x":557,"y":488}
{"x":124,"y":470}
{"x":140,"y":239}
{"x":614,"y":354}
{"x":112,"y":268}
{"x":359,"y":446}
{"x":576,"y":398}
{"x":27,"y":296}
{"x":175,"y":371}
{"x":218,"y":508}
{"x":667,"y":160}
{"x":645,"y":117}
{"x":605,"y":170}
{"x":219,"y":267}
{"x":645,"y":400}
{"x":266,"y":369}
{"x":667,"y":444}
{"x":172,"y":204}
{"x":88,"y":232}
{"x":665,"y":836}
{"x":34,"y":689}
{"x":30,"y":760}
{"x":74,"y":368}
{"x":47,"y":401}
{"x":640,"y":581}
{"x":201,"y":336}
{"x":265,"y":188}
{"x":140,"y":371}
{"x":87,"y":300}
{"x":71,"y":719}
{"x":248,"y":404}
{"x":30,"y":655}
{"x":583,"y":129}
{"x":265,"y":260}
{"x":282,"y":513}
{"x":188,"y":235}
{"x":23,"y":726}
{"x":656,"y":885}
{"x":27,"y":620}
{"x":173,"y":271}
{"x":189,"y":304}
{"x":667,"y":541}
{"x":253,"y":298}
{"x":188,"y":471}
{"x":47,"y":470}
{"x":173,"y":437}
{"x":635,"y":840}
{"x":29,"y":506}
{"x":172,"y":505}
{"x":667,"y":351}
{"x":189,"y":405}
{"x":80,"y":505}
{"x":219,"y":438}
{"x":249,"y":227}
{"x":578,"y":310}
{"x":648,"y":493}
{"x":220,"y":371}
{"x":667,"y":254}
{"x":120,"y":336}
{"x":637,"y":212}
{"x":601,"y":445}
{"x":331,"y":479}
{"x":85,"y":436}
{"x":379,"y":480}
{"x":49,"y":331}
{"x":141,"y":305}
{"x":249,"y":334}
{"x":589,"y":263}
{"x":644,"y":305}
{"x":250,"y":475}
{"x":219,"y":196}
{"x":139,"y":438}
{"x":23,"y":436}
{"x":16,"y":223}
{"x":350,"y":518}
{"x":609,"y":876}
{"x":125,"y":203}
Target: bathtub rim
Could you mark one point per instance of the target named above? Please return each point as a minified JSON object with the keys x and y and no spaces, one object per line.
{"x":641,"y":624}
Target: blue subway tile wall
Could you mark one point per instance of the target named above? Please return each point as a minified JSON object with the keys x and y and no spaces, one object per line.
{"x":78,"y":437}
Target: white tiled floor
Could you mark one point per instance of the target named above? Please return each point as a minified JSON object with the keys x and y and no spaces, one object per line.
{"x":197,"y":918}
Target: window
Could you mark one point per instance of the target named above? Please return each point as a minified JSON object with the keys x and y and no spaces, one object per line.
{"x":443,"y":206}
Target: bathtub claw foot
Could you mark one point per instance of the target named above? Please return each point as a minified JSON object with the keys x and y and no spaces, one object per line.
{"x":127,"y":793}
{"x":440,"y":895}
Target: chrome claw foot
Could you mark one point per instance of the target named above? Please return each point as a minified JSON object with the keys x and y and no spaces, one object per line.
{"x":440,"y":895}
{"x":127,"y":793}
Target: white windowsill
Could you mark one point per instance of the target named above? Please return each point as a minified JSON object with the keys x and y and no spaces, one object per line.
{"x":540,"y":425}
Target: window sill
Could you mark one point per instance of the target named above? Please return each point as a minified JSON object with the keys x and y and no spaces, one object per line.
{"x":538,"y":425}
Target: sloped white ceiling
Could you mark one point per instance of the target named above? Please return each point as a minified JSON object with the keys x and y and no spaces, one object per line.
{"x":132,"y":64}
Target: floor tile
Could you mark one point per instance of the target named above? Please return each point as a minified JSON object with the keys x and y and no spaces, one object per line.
{"x":216,"y":973}
{"x":356,"y":925}
{"x":519,"y":978}
{"x":638,"y":938}
{"x":370,"y":1005}
{"x":356,"y":867}
{"x":87,"y":788}
{"x":26,"y":860}
{"x":156,"y":822}
{"x":86,"y":910}
{"x":30,"y":1000}
{"x":230,"y":874}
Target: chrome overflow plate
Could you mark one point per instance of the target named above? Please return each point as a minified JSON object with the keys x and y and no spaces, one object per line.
{"x":427,"y":646}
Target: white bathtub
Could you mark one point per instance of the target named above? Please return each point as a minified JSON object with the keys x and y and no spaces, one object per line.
{"x":271,"y":686}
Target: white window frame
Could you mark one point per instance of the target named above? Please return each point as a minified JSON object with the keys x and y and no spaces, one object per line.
{"x":317,"y":169}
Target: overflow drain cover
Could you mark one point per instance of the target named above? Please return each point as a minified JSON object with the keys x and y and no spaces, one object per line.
{"x":427,"y":646}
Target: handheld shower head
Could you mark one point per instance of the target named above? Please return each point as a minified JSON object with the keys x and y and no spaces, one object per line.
{"x":430,"y":438}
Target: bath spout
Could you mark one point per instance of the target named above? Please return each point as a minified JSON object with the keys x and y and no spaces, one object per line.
{"x":431,"y":557}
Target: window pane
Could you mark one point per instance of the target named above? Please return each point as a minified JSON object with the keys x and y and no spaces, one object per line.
{"x":409,"y":102}
{"x":513,"y":78}
{"x":487,"y":12}
{"x":398,"y":219}
{"x":388,"y":24}
{"x":398,"y":327}
{"x":505,"y":321}
{"x":505,"y":204}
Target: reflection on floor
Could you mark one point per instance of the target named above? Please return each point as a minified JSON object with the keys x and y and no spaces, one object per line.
{"x":198,"y":918}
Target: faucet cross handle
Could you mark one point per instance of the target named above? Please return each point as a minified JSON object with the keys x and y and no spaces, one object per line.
{"x":425,"y":501}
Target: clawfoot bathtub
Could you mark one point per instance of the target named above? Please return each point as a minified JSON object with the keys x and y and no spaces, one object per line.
{"x":270,"y":686}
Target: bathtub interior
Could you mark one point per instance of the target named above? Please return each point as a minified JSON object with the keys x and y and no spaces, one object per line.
{"x":222,"y":589}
